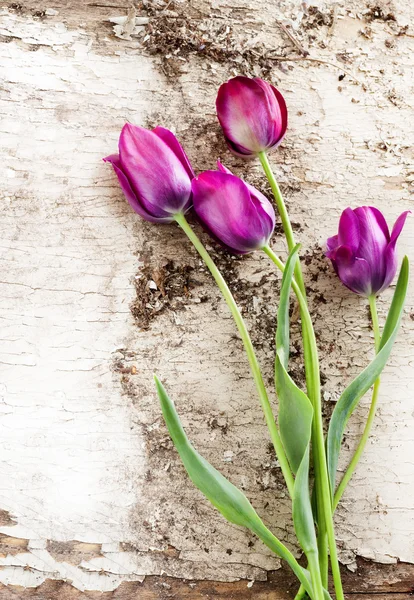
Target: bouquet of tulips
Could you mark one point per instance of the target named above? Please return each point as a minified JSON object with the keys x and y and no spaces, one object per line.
{"x":159,"y":183}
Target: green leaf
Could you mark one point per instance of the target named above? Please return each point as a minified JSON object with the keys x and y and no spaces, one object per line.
{"x":355,"y":390}
{"x":295,"y":417}
{"x":302,"y":508}
{"x":228,"y":499}
{"x":295,"y":408}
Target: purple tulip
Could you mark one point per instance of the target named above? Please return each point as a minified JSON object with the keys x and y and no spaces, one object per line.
{"x":154,"y":172}
{"x":363,"y":253}
{"x":232,"y":211}
{"x":252,"y":114}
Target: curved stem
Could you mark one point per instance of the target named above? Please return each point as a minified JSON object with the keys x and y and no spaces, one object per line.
{"x":315,"y":575}
{"x":375,"y":324}
{"x":312,"y":385}
{"x":278,"y":548}
{"x":301,"y":593}
{"x":368,"y":425}
{"x":320,"y":465}
{"x":254,"y":365}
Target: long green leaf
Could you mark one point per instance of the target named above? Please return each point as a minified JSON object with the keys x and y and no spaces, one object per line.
{"x":302,"y":508}
{"x":226,"y":497}
{"x":295,"y":418}
{"x":355,"y":390}
{"x":295,"y":408}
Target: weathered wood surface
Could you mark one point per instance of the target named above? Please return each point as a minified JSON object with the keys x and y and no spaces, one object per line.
{"x":92,"y":491}
{"x":384,"y":582}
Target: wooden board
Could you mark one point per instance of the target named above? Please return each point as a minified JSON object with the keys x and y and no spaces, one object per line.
{"x":92,"y":491}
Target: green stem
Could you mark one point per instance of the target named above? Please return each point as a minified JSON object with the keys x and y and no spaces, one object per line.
{"x":320,"y":465}
{"x":278,"y":548}
{"x":375,"y":323}
{"x":315,"y":575}
{"x":367,"y":430}
{"x":301,"y":593}
{"x":312,"y":384}
{"x":254,"y":365}
{"x":281,"y":207}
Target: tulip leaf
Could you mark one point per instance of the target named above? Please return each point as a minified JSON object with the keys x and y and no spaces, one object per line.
{"x":302,"y":507}
{"x":226,"y":497}
{"x":355,"y":390}
{"x":295,"y":417}
{"x":295,"y":408}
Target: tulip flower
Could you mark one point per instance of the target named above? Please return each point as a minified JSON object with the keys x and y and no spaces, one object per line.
{"x":154,"y":172}
{"x":252,"y":114}
{"x":363,"y":253}
{"x":232,"y":211}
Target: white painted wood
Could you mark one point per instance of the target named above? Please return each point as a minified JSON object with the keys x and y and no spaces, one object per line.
{"x":84,"y":453}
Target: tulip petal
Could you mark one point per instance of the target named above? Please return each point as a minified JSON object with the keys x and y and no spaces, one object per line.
{"x":391,"y":260}
{"x":277,"y":110}
{"x":398,"y":226}
{"x":154,"y":171}
{"x":251,"y":120}
{"x":226,"y":209}
{"x":223,"y":169}
{"x":169,"y":138}
{"x":349,"y":230}
{"x":355,"y":273}
{"x":128,"y":191}
{"x":257,"y":197}
{"x":331,"y":244}
{"x":374,"y":238}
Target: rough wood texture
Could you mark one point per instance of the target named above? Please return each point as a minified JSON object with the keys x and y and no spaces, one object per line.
{"x":92,"y":491}
{"x":387,"y":582}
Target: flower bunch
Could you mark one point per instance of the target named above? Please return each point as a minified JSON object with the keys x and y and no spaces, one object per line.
{"x":160,"y":185}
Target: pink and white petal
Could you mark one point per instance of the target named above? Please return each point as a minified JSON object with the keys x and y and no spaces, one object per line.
{"x":375,"y":220}
{"x":223,"y":204}
{"x":155,"y":173}
{"x":355,"y":273}
{"x":169,"y":138}
{"x":128,"y":191}
{"x":349,"y":230}
{"x":243,"y":113}
{"x":331,"y":245}
{"x":390,"y":259}
{"x":398,"y":226}
{"x":223,"y":169}
{"x":278,"y":114}
{"x":390,"y":267}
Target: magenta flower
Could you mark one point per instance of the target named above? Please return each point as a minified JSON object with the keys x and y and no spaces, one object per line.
{"x":363,"y":253}
{"x":232,"y":211}
{"x":154,"y":172}
{"x":252,"y":114}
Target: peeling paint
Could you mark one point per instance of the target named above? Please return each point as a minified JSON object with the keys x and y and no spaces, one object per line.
{"x":93,"y":492}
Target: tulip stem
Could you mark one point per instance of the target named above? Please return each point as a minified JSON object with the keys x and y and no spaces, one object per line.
{"x":312,"y":379}
{"x":368,"y":425}
{"x":324,"y":502}
{"x":312,"y":373}
{"x":281,"y":206}
{"x":254,"y":365}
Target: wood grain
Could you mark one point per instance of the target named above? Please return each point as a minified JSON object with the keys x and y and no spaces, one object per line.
{"x":384,"y":582}
{"x":93,"y":497}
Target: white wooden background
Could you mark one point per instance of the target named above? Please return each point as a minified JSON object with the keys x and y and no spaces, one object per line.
{"x":86,"y":465}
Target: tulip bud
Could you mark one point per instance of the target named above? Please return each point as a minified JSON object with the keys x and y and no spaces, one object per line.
{"x":363,"y":253}
{"x":232,"y":211}
{"x":252,"y":114}
{"x":154,"y":172}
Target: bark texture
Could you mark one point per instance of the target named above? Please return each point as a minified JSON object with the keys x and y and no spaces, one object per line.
{"x":93,"y":300}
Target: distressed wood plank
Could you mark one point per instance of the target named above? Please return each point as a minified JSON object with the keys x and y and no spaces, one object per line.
{"x":387,"y":582}
{"x":92,"y":490}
